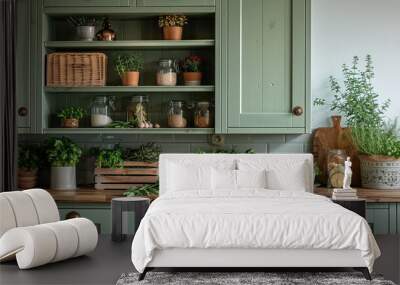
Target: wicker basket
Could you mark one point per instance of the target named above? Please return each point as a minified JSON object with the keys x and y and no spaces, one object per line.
{"x":76,"y":69}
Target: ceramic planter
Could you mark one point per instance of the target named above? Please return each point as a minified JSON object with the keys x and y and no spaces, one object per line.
{"x":85,"y":33}
{"x":63,"y":178}
{"x":192,"y":78}
{"x":380,"y":172}
{"x":130,"y":78}
{"x":70,"y":123}
{"x":27,"y":179}
{"x":172,"y":33}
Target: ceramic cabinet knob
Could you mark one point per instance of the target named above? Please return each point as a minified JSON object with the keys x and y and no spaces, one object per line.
{"x":22,"y":111}
{"x":297,"y":111}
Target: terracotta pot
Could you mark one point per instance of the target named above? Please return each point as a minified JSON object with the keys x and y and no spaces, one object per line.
{"x":130,"y":78}
{"x":70,"y":123}
{"x":27,"y":178}
{"x":172,"y":33}
{"x":192,"y":78}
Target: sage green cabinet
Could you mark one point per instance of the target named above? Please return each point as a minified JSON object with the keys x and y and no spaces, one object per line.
{"x":175,"y":3}
{"x":384,"y":217}
{"x":86,"y":3}
{"x":266,"y":65}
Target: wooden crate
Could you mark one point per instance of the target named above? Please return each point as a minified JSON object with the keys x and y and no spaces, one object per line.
{"x":134,"y":173}
{"x":76,"y":69}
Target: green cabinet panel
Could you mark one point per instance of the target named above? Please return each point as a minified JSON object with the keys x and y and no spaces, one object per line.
{"x":398,"y":218}
{"x":266,"y":65}
{"x":86,"y":3}
{"x":383,"y":217}
{"x":175,"y":3}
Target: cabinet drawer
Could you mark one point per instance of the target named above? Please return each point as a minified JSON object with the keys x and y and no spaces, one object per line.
{"x":86,"y":3}
{"x":175,"y":3}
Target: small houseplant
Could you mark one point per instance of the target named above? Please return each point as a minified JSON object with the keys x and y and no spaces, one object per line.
{"x":191,"y":67}
{"x":28,"y":164}
{"x":85,"y":27}
{"x":63,"y":155}
{"x":128,"y":68}
{"x":70,"y":116}
{"x":172,"y":26}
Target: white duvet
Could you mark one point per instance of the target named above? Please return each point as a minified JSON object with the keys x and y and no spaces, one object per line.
{"x":252,"y":218}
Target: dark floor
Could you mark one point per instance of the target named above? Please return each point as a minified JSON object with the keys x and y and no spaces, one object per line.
{"x":110,"y":260}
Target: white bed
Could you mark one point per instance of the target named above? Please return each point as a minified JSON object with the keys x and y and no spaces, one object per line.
{"x":198,"y":222}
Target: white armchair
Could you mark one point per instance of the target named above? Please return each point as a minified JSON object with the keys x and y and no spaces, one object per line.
{"x":31,"y":230}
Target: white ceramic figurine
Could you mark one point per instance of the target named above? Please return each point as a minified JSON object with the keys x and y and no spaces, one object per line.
{"x":347,"y":174}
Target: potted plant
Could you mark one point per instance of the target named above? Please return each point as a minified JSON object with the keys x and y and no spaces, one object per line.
{"x":63,"y":155}
{"x":377,"y":141}
{"x":128,"y":68}
{"x":85,"y":27}
{"x":70,"y":116}
{"x":28,"y":164}
{"x":172,"y":26}
{"x":191,"y":67}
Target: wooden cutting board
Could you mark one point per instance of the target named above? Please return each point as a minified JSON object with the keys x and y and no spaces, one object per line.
{"x":335,"y":137}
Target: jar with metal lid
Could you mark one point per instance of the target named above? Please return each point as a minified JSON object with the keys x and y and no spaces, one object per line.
{"x":167,"y":72}
{"x":335,"y":167}
{"x":137,"y":109}
{"x":202,"y":115}
{"x":176,"y":115}
{"x":100,"y":114}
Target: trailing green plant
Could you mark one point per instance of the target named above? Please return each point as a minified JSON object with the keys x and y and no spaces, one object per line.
{"x":82,"y":21}
{"x":145,"y":190}
{"x":378,"y":140}
{"x":110,"y":158}
{"x":192,"y":63}
{"x":72,"y":113}
{"x":62,"y":152}
{"x":172,"y":21}
{"x":126,"y":63}
{"x":149,"y":152}
{"x":29,"y":157}
{"x":356,"y":99}
{"x":228,"y":151}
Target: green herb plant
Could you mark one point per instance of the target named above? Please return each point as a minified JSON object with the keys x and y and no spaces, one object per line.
{"x":172,"y":21}
{"x":82,"y":21}
{"x":29,"y":157}
{"x":228,"y":151}
{"x":72,"y":113}
{"x":149,"y":152}
{"x":62,"y":152}
{"x":145,"y":190}
{"x":192,"y":63}
{"x":126,"y":63}
{"x":110,"y":158}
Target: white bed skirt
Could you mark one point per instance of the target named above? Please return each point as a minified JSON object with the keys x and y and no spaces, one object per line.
{"x":189,"y":257}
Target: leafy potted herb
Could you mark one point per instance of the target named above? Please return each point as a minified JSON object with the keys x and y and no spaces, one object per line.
{"x":70,"y":116}
{"x":28,"y":164}
{"x":377,"y":141}
{"x":63,"y":155}
{"x":110,"y":158}
{"x":85,"y":27}
{"x":191,"y":67}
{"x":172,"y":26}
{"x":128,"y":68}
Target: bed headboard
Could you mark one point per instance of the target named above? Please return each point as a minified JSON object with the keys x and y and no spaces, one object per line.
{"x":230,"y":161}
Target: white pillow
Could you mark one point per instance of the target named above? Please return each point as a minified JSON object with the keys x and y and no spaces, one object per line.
{"x":293,"y":179}
{"x":224,"y":179}
{"x":183,"y":177}
{"x":251,"y":178}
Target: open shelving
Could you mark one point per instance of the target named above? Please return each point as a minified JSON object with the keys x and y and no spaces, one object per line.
{"x":128,"y":131}
{"x":126,"y":89}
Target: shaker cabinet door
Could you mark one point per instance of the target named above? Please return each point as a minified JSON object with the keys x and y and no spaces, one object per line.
{"x":266,"y":66}
{"x":86,"y":3}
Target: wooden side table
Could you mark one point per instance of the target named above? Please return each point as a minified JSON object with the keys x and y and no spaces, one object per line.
{"x":138,"y":205}
{"x":357,"y":206}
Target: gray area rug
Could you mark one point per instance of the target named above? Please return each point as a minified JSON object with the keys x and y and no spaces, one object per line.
{"x":244,"y":278}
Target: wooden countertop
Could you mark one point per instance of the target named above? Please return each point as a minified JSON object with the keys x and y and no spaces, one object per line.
{"x":370,"y":195}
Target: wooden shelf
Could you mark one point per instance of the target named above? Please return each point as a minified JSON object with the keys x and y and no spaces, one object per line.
{"x":145,"y":44}
{"x":86,"y":194}
{"x":128,"y":131}
{"x":127,"y":89}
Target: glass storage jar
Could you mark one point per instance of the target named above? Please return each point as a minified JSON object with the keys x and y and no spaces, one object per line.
{"x":335,"y":167}
{"x":167,"y":72}
{"x":176,"y":115}
{"x":137,"y":109}
{"x":202,"y":115}
{"x":100,"y":114}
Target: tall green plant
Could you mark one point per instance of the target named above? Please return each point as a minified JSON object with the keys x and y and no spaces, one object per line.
{"x":356,"y":98}
{"x":126,"y":63}
{"x":62,"y":152}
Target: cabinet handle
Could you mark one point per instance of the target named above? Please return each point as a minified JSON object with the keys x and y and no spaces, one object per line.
{"x":22,"y":111}
{"x":297,"y":111}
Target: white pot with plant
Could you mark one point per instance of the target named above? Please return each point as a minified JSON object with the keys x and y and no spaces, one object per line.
{"x":128,"y":68}
{"x":85,"y":27}
{"x":63,"y":155}
{"x":172,"y":26}
{"x":376,"y":139}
